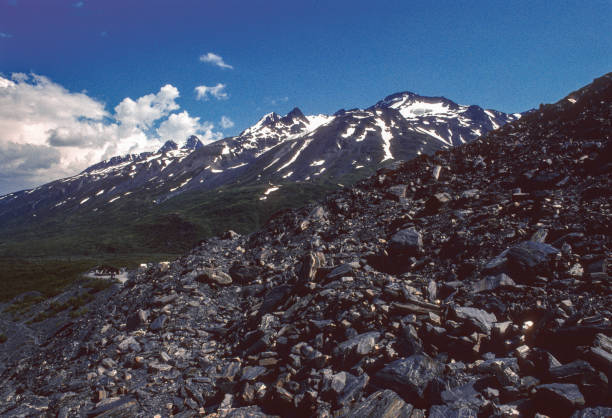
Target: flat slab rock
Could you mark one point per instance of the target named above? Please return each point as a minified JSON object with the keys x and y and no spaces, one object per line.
{"x":124,"y":407}
{"x":558,"y":399}
{"x":523,"y":261}
{"x":479,"y":318}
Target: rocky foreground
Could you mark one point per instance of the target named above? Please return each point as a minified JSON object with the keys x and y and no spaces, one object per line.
{"x":471,"y":283}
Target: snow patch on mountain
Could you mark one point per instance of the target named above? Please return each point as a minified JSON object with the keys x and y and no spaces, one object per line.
{"x":386,"y":136}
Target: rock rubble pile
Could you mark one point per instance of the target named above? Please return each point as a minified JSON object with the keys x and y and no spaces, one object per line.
{"x":474,"y":282}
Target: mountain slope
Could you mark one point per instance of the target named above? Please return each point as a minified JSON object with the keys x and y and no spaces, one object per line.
{"x":472,"y":282}
{"x":290,"y":148}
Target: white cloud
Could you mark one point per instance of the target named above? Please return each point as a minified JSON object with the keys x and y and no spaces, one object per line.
{"x":5,"y":35}
{"x":48,"y":132}
{"x":180,"y":125}
{"x":226,"y":122}
{"x":78,"y":4}
{"x":147,"y":109}
{"x":218,"y":92}
{"x":215,"y":59}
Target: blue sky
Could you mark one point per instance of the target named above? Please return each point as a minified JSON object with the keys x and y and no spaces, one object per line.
{"x":317,"y":55}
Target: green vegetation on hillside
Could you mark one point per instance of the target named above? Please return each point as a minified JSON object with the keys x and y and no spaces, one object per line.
{"x":49,"y":275}
{"x":46,"y":254}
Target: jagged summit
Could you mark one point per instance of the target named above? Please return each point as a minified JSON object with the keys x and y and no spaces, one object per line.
{"x":273,"y":121}
{"x":193,"y":143}
{"x":295,"y":115}
{"x":169,"y":145}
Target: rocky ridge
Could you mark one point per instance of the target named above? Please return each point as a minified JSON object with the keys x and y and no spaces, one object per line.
{"x":290,"y":148}
{"x":474,"y":282}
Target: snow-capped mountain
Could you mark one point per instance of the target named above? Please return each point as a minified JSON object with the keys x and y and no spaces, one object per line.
{"x":291,"y":148}
{"x":444,"y":119}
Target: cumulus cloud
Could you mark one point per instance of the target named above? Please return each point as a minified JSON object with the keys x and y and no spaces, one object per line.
{"x":180,"y":125}
{"x":48,"y":132}
{"x":226,"y":122}
{"x":142,"y":112}
{"x":218,"y":92}
{"x":215,"y":59}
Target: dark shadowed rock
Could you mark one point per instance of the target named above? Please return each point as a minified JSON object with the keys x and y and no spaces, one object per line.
{"x":435,"y":202}
{"x":530,"y":258}
{"x":274,"y":297}
{"x":524,"y":261}
{"x":406,"y":242}
{"x":208,"y":275}
{"x":558,"y":399}
{"x":242,"y":274}
{"x":397,"y":192}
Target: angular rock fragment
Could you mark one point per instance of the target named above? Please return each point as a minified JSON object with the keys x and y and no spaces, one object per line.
{"x":124,"y":407}
{"x":493,"y":282}
{"x":356,"y":347}
{"x":275,"y":297}
{"x":406,"y":242}
{"x":310,"y":264}
{"x":445,"y":411}
{"x":410,"y":377}
{"x":382,"y":404}
{"x":558,"y":399}
{"x":479,"y":319}
{"x":159,"y":323}
{"x":524,"y":261}
{"x":397,"y":192}
{"x":242,"y":274}
{"x":437,"y":201}
{"x":208,"y":275}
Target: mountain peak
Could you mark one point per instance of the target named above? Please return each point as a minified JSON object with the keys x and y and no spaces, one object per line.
{"x":168,"y":146}
{"x":267,"y":120}
{"x":295,"y":113}
{"x":407,"y":98}
{"x":193,"y":143}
